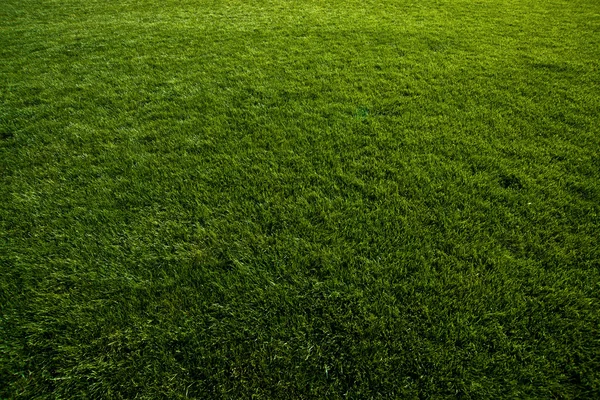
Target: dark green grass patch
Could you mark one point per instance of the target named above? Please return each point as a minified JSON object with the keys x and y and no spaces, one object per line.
{"x":299,"y":199}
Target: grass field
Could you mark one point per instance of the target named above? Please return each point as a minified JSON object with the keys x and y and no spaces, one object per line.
{"x":299,"y":199}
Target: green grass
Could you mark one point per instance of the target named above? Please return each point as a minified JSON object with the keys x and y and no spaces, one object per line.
{"x":299,"y":199}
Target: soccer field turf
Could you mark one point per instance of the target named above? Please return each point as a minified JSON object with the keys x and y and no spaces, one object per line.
{"x":299,"y":199}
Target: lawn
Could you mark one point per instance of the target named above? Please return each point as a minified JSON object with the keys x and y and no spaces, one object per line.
{"x":299,"y":199}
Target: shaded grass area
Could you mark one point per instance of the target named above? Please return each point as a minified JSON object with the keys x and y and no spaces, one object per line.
{"x":307,"y":199}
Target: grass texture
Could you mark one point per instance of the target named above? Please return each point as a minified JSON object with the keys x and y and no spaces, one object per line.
{"x":299,"y":199}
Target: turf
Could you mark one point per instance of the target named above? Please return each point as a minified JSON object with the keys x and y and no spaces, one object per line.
{"x":299,"y":199}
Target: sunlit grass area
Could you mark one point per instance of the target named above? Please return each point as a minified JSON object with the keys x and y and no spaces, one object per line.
{"x":299,"y":199}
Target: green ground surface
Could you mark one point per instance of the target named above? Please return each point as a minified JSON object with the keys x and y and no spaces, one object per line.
{"x":299,"y":199}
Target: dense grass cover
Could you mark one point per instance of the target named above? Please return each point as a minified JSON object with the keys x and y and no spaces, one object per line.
{"x":299,"y":199}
